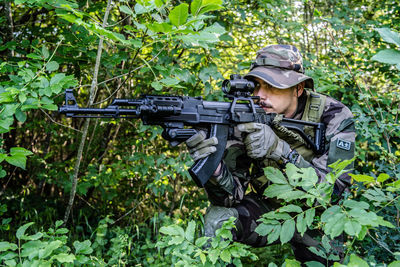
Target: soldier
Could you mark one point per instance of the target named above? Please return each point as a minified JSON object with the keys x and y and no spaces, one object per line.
{"x":283,"y":88}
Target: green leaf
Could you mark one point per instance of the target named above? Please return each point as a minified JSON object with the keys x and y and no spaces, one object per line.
{"x":203,"y":257}
{"x":201,"y":241}
{"x":363,"y":217}
{"x":139,"y":9}
{"x":356,"y":262}
{"x":292,"y":263}
{"x":45,"y":52}
{"x":301,"y":176}
{"x":189,"y":234}
{"x":82,"y":247}
{"x":382,"y":177}
{"x":52,"y":66}
{"x":287,"y":231}
{"x":382,"y":222}
{"x":275,"y":175}
{"x":159,"y":27}
{"x":3,"y":173}
{"x":394,"y":264}
{"x":32,"y":247}
{"x":11,"y":262}
{"x":210,"y":5}
{"x":301,"y":224}
{"x":61,"y":231}
{"x":159,"y":3}
{"x":50,"y":107}
{"x":292,"y":195}
{"x":4,"y":246}
{"x":157,"y":85}
{"x":362,"y":178}
{"x":32,"y":237}
{"x":389,"y":56}
{"x":125,"y":9}
{"x":310,"y":214}
{"x":8,"y":256}
{"x":318,"y":252}
{"x":17,"y":160}
{"x":363,"y":232}
{"x":20,"y":151}
{"x":274,"y":235}
{"x":170,"y":81}
{"x":226,"y":256}
{"x":22,"y":97}
{"x":64,"y":257}
{"x":314,"y":264}
{"x":6,"y":97}
{"x":53,"y":245}
{"x":264,"y":229}
{"x":59,"y":223}
{"x":290,"y":208}
{"x":349,"y":203}
{"x":22,"y":229}
{"x":20,"y":115}
{"x":57,"y":78}
{"x":276,"y":216}
{"x":326,"y":243}
{"x":195,"y":6}
{"x":172,"y":230}
{"x":275,"y":190}
{"x":178,"y":16}
{"x":389,"y":36}
{"x":352,"y":227}
{"x":329,"y":213}
{"x":335,"y":225}
{"x":213,"y":255}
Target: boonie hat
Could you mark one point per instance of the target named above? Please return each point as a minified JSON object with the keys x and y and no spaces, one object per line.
{"x":281,"y":66}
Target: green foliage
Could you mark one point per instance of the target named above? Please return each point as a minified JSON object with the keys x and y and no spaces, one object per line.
{"x":44,"y":249}
{"x":182,"y":248}
{"x":352,"y":216}
{"x":131,"y":175}
{"x":389,"y":56}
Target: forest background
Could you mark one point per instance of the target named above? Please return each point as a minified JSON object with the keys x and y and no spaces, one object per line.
{"x":113,"y":192}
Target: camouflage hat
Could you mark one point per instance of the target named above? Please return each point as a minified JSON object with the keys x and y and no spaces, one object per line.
{"x":281,"y":66}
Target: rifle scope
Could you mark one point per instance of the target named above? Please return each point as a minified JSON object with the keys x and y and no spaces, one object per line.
{"x":237,"y":85}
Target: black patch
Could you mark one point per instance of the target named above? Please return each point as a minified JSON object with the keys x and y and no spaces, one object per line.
{"x":346,"y":145}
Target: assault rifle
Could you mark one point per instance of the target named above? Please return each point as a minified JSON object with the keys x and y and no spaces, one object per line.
{"x":182,"y":116}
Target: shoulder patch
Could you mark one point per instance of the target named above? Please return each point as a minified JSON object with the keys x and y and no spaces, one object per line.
{"x":346,"y":145}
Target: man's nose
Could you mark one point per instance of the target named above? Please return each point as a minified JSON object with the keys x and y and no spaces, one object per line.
{"x":263,"y":94}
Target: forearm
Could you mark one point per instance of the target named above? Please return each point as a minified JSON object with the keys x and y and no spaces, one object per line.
{"x":223,"y":188}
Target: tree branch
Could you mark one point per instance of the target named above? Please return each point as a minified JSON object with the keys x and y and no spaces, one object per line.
{"x":86,"y":124}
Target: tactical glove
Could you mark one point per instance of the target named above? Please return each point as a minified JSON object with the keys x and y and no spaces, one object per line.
{"x":262,"y":142}
{"x":200,"y":147}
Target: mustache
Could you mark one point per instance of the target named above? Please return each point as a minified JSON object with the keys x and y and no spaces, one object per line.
{"x":265,"y":104}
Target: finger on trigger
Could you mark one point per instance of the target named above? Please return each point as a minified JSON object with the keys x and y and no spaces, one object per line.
{"x":249,"y":127}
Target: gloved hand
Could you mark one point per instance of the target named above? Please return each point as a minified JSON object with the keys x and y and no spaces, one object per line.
{"x":200,"y":147}
{"x":262,"y":142}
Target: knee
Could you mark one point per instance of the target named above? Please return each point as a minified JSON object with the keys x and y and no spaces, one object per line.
{"x":216,"y":216}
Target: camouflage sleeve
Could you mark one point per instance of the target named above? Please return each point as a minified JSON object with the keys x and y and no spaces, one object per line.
{"x":229,"y":187}
{"x":340,"y":139}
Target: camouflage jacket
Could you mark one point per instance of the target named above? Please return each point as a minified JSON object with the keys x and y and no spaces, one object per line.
{"x":239,"y":171}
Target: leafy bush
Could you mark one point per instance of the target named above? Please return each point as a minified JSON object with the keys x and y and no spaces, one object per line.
{"x":182,"y":248}
{"x":307,"y":205}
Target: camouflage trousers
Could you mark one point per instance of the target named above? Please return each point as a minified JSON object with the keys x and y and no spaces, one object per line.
{"x":247,"y":213}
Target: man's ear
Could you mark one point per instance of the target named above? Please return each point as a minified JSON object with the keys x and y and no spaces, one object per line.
{"x":300,"y":89}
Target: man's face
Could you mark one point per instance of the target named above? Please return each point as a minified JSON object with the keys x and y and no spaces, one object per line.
{"x":274,"y":100}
